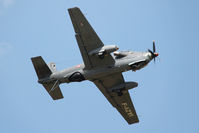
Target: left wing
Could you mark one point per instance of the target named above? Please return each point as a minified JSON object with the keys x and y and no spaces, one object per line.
{"x":122,"y":103}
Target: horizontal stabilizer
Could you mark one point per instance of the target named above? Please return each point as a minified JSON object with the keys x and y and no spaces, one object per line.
{"x":53,"y":89}
{"x":41,"y":67}
{"x":44,"y":71}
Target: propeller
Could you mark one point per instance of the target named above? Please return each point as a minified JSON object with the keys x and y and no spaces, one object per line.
{"x":154,"y":54}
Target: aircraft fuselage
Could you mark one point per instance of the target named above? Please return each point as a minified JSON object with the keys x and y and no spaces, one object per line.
{"x":133,"y":61}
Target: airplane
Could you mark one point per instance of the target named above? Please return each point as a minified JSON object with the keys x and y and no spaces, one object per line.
{"x":103,"y":65}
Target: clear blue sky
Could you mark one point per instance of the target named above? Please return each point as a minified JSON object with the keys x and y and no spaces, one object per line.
{"x":166,"y":100}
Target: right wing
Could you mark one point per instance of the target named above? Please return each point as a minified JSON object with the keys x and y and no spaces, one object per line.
{"x":122,"y":103}
{"x":87,"y":40}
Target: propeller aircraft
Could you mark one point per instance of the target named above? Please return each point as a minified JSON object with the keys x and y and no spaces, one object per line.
{"x":103,"y":65}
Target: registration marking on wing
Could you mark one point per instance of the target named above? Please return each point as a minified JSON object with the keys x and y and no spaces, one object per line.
{"x":127,"y":110}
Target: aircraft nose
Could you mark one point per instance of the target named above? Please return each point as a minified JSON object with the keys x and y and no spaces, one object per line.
{"x":156,"y":54}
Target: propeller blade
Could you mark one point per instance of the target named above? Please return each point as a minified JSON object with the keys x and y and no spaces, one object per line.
{"x":154,"y":50}
{"x":151,"y":53}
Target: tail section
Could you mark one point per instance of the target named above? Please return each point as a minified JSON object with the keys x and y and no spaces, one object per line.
{"x":43,"y":72}
{"x":41,"y":67}
{"x":52,"y":67}
{"x":53,"y":89}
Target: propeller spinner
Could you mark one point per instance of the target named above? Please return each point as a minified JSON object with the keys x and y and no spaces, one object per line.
{"x":154,"y":54}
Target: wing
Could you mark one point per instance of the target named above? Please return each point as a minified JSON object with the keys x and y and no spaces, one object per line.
{"x":122,"y":103}
{"x":87,"y":40}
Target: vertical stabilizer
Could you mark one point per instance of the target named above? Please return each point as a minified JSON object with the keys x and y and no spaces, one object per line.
{"x":52,"y":67}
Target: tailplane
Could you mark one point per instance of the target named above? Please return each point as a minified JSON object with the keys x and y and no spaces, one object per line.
{"x":41,"y":67}
{"x":53,"y":90}
{"x":43,"y":72}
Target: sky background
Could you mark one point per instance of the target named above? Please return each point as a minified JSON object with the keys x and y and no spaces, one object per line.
{"x":166,"y":100}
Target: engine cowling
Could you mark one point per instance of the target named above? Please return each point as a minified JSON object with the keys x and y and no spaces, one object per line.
{"x":138,"y":65}
{"x":120,"y":54}
{"x":124,"y":86}
{"x":104,"y":50}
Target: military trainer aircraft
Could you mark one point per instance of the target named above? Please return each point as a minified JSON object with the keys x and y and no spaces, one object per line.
{"x":103,"y":65}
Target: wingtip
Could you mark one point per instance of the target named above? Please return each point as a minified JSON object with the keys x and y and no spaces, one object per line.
{"x":133,"y":122}
{"x":69,"y":9}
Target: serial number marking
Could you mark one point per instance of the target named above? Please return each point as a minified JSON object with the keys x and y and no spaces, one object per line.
{"x":127,"y":110}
